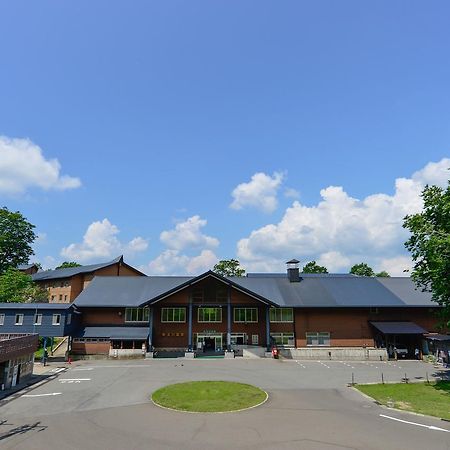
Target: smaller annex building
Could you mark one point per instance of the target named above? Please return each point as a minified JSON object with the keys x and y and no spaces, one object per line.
{"x":308,"y":315}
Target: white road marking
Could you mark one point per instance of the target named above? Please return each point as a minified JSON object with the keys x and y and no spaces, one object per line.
{"x":323,"y":364}
{"x":300,"y":364}
{"x":74,"y":380}
{"x":430,"y":427}
{"x":41,"y":395}
{"x":57,"y":369}
{"x":84,"y":368}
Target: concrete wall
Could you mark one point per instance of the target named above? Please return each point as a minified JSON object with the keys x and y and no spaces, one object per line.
{"x":336,"y":353}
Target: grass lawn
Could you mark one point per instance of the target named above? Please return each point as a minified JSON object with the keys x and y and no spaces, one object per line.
{"x":432,"y":399}
{"x":209,"y":396}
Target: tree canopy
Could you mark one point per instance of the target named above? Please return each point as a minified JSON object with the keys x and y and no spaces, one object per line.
{"x":18,"y":287}
{"x":67,"y":264}
{"x":383,"y":273}
{"x":229,"y":268}
{"x":313,"y":267}
{"x":362,"y":269}
{"x":429,"y":245}
{"x":16,"y":237}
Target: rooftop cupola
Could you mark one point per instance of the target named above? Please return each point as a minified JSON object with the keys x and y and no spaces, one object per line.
{"x":293,"y":272}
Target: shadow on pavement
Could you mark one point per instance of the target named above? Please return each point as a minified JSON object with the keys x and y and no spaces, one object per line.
{"x":22,"y":429}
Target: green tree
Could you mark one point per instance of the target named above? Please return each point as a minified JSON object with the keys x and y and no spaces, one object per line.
{"x":18,"y":287}
{"x":363,"y":270}
{"x":383,"y":273}
{"x":229,"y":268}
{"x":429,"y":245}
{"x":16,"y":237}
{"x":67,"y":264}
{"x":313,"y":267}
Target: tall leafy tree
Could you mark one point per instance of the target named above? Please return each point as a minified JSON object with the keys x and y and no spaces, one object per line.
{"x":382,"y":274}
{"x":67,"y":264}
{"x":362,"y":269}
{"x":313,"y":267}
{"x":229,"y":268}
{"x":18,"y":287}
{"x":16,"y":237}
{"x":429,"y":245}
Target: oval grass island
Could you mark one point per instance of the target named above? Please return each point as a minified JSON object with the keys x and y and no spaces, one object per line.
{"x":209,"y":396}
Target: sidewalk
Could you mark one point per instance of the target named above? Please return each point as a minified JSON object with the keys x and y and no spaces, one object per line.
{"x":41,"y":374}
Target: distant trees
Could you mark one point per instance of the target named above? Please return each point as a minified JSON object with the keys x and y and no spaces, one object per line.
{"x":229,"y":268}
{"x":313,"y":267}
{"x":67,"y":264}
{"x":383,"y":273}
{"x":16,"y":237}
{"x":364,"y":270}
{"x":18,"y":287}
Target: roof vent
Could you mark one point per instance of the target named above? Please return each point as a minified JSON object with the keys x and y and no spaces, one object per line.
{"x":293,"y":272}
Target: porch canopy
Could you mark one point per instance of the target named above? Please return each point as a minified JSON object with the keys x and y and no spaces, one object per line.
{"x":438,"y":337}
{"x":115,"y":333}
{"x":399,"y":328}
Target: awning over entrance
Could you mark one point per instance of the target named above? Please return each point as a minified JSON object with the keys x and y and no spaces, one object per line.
{"x":115,"y":333}
{"x":438,"y":337}
{"x":399,"y":328}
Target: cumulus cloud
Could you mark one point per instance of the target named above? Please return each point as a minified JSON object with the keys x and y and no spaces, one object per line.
{"x":341,"y":230}
{"x":188,"y":234}
{"x":23,"y":166}
{"x":172,"y":262}
{"x":100,"y":242}
{"x":184,"y":242}
{"x":259,"y":193}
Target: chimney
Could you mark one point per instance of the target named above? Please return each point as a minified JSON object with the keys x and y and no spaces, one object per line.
{"x":293,"y":272}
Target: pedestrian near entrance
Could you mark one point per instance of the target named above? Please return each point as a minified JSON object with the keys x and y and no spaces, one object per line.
{"x":44,"y":359}
{"x":417,"y":353}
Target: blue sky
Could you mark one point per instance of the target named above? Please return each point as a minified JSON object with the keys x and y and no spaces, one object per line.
{"x":159,"y":111}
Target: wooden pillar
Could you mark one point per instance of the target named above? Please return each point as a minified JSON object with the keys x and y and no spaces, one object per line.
{"x":268,"y":327}
{"x":150,"y":329}
{"x":190,"y":346}
{"x":229,"y":319}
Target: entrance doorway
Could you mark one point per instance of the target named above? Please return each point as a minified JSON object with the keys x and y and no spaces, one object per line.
{"x":209,"y":342}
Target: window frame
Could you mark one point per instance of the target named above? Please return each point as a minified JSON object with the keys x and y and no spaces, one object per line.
{"x":246,"y":318}
{"x":170,"y":310}
{"x":315,"y":338}
{"x":203,"y":308}
{"x":54,"y":322}
{"x":2,"y":319}
{"x":36,"y":317}
{"x":274,"y":311}
{"x":18,"y":322}
{"x":137,"y":315}
{"x":284,"y":342}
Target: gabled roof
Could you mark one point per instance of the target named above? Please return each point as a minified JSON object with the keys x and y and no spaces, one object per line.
{"x":312,"y":291}
{"x":26,"y":266}
{"x":34,"y":306}
{"x":71,"y":271}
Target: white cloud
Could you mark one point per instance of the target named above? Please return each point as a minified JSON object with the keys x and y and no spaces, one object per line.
{"x":188,"y":234}
{"x":291,"y":193}
{"x":340,"y":230}
{"x":171,"y":262}
{"x":259,"y":193}
{"x":23,"y":167}
{"x":100,"y":242}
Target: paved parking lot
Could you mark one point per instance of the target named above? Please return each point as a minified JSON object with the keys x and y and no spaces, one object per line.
{"x":105,"y":405}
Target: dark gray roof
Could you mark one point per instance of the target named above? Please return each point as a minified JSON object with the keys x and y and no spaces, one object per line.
{"x":399,"y":327}
{"x":126,"y":291}
{"x":71,"y":271}
{"x":35,"y":306}
{"x":301,"y":274}
{"x":25,"y":266}
{"x":123,"y":333}
{"x":316,"y":292}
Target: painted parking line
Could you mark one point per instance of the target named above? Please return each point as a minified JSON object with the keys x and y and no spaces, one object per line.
{"x":42,"y":395}
{"x":323,"y":364}
{"x":73,"y":380}
{"x":430,"y":427}
{"x":58,"y":369}
{"x":301,"y":365}
{"x":83,"y":368}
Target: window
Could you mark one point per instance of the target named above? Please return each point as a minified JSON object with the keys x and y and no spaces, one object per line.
{"x":65,"y":298}
{"x":255,"y":339}
{"x":56,"y":320}
{"x":60,"y":297}
{"x":173,"y":315}
{"x":245,"y":315}
{"x":283,"y":339}
{"x":210,"y":314}
{"x":19,"y":319}
{"x":69,"y":319}
{"x":316,"y":339}
{"x":281,"y":315}
{"x":53,"y":298}
{"x":238,"y":339}
{"x":38,"y":319}
{"x":2,"y":319}
{"x":136,"y":314}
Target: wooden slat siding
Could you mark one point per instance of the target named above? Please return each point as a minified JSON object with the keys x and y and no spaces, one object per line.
{"x":16,"y":345}
{"x":46,"y":329}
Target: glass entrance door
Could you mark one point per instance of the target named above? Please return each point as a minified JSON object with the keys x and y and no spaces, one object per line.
{"x":209,"y":342}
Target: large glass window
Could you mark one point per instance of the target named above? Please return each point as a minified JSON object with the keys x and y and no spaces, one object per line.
{"x":281,"y":314}
{"x":56,"y":320}
{"x":318,"y":339}
{"x":283,"y":339}
{"x":173,"y":315}
{"x":210,"y":314}
{"x":245,"y":315}
{"x":136,"y":314}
